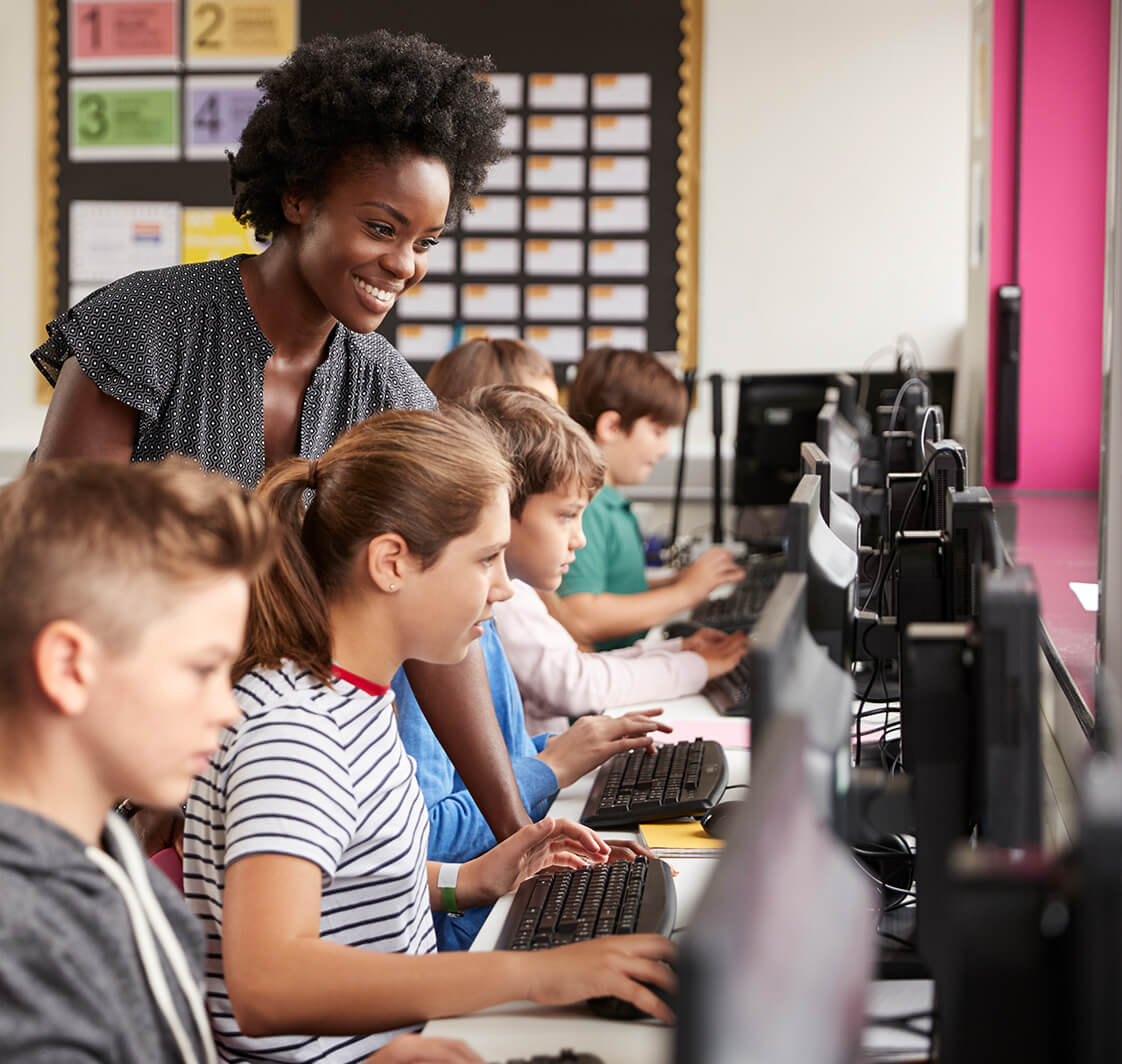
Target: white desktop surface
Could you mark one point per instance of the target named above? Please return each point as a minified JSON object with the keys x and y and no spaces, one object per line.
{"x":521,"y":1029}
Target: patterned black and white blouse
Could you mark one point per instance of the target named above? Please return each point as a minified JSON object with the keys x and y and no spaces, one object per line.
{"x":182,"y":347}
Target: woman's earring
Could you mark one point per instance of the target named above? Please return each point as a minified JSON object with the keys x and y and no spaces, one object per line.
{"x":393,"y":587}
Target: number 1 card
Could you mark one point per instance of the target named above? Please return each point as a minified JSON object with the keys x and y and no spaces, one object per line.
{"x":124,"y":35}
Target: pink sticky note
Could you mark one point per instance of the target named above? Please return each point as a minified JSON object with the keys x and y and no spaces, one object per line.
{"x":728,"y":731}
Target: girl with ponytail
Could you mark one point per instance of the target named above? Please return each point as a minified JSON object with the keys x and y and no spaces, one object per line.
{"x":306,"y":838}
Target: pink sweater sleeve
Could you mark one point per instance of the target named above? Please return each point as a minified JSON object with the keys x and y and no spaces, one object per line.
{"x":558,"y":680}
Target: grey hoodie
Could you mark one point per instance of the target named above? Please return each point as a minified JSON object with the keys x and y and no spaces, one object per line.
{"x":74,"y":985}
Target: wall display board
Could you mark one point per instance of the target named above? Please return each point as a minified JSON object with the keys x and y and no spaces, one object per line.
{"x":585,"y":234}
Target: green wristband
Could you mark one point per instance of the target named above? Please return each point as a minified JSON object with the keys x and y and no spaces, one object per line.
{"x":446,"y":884}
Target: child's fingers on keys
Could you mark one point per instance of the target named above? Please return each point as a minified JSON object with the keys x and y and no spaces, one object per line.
{"x":585,"y":836}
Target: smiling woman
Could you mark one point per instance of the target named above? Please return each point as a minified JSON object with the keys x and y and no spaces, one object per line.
{"x":359,"y":153}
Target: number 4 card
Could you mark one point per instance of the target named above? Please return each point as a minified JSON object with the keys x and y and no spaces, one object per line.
{"x":215,"y":111}
{"x":124,"y":35}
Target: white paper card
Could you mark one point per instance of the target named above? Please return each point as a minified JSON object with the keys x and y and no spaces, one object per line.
{"x":617,"y":302}
{"x":109,"y":239}
{"x":564,"y":258}
{"x":618,"y":214}
{"x":619,"y":173}
{"x":500,"y":214}
{"x":490,"y":256}
{"x":554,"y":214}
{"x":557,"y":133}
{"x":1088,"y":595}
{"x":489,"y":301}
{"x":621,"y":132}
{"x":432,"y":301}
{"x":511,"y":136}
{"x":509,"y":88}
{"x":631,"y":336}
{"x":424,"y":341}
{"x":555,"y":173}
{"x":505,"y":175}
{"x":442,"y":258}
{"x":505,"y":331}
{"x":561,"y":92}
{"x":618,"y":258}
{"x":554,"y":302}
{"x":561,"y":343}
{"x":625,"y":91}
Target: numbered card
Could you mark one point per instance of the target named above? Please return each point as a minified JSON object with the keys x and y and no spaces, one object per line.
{"x":221,"y":34}
{"x":215,"y":111}
{"x":124,"y":118}
{"x":214,"y":233}
{"x":124,"y":35}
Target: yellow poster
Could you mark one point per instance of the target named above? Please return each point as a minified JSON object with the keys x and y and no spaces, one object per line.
{"x":237,"y":33}
{"x":214,"y":233}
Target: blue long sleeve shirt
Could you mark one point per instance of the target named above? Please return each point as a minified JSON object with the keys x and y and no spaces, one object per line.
{"x":457,"y":830}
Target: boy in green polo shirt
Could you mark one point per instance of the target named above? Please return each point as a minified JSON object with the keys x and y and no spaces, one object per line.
{"x":628,"y":401}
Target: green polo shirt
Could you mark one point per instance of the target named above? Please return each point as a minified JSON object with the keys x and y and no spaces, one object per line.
{"x":613,"y":559}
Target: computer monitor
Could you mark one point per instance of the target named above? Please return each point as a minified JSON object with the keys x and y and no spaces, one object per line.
{"x":842,"y":518}
{"x":831,"y":566}
{"x":792,"y":674}
{"x":775,"y":414}
{"x":774,"y":967}
{"x":849,"y":403}
{"x":841,"y":442}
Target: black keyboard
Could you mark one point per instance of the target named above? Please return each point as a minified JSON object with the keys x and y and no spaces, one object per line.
{"x":671,"y":781}
{"x":741,"y":608}
{"x":728,"y":694}
{"x":572,"y":905}
{"x":566,"y":1056}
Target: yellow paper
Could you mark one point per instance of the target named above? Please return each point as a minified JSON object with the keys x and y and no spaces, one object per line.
{"x":678,"y":835}
{"x":214,"y":233}
{"x":230,"y":32}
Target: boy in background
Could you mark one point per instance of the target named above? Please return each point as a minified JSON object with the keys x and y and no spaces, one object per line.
{"x":627,"y":401}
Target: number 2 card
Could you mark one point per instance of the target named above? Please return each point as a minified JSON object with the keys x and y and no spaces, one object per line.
{"x":225,"y":34}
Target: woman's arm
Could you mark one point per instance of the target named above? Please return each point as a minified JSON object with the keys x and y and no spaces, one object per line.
{"x":456,"y":701}
{"x":283,"y":979}
{"x":83,"y":422}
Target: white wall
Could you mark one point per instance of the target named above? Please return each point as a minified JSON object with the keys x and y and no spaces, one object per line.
{"x":20,"y":415}
{"x":833,"y":190}
{"x":835,"y":141}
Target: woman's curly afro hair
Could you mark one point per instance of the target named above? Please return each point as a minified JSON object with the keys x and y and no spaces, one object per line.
{"x":379,"y":92}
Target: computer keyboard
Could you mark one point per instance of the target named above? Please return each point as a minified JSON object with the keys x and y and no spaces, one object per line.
{"x":572,"y":905}
{"x":728,"y":694}
{"x":741,"y":608}
{"x":671,"y":781}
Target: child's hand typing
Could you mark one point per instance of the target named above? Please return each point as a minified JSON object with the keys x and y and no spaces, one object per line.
{"x":622,"y":966}
{"x":590,"y":741}
{"x":415,"y":1049}
{"x":715,"y":567}
{"x":542,"y":845}
{"x":721,"y":651}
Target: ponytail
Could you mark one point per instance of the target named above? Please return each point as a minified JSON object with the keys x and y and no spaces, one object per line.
{"x":423,"y":475}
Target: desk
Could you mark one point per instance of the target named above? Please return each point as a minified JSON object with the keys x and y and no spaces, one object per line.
{"x":522,"y":1029}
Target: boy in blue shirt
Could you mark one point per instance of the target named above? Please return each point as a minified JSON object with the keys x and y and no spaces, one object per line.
{"x":628,"y":401}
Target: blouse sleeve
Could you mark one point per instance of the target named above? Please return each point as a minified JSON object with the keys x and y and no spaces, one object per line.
{"x":124,"y":337}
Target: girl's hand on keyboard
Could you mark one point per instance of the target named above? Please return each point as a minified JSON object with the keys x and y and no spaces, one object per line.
{"x":545,"y":844}
{"x":621,"y":966}
{"x":722,"y":651}
{"x":714,"y":568}
{"x":416,"y":1049}
{"x":589,"y":741}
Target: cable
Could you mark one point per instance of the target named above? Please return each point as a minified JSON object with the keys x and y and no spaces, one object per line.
{"x":910,"y":382}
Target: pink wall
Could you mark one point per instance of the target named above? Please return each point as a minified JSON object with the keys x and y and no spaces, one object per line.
{"x":1066,"y":82}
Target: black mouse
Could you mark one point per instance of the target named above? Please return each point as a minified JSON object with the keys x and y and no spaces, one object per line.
{"x":613,"y":1008}
{"x":719,"y":821}
{"x":679,"y":629}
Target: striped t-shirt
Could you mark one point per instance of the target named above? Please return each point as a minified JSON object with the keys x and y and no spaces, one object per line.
{"x":318,"y":773}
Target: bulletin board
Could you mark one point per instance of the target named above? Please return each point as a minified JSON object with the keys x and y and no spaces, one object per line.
{"x":584,"y":235}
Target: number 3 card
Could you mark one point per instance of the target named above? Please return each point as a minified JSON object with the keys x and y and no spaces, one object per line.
{"x":124,"y":118}
{"x":215,"y":111}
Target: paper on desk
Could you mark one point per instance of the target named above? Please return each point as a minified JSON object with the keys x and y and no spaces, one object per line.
{"x":728,"y":731}
{"x":676,"y":838}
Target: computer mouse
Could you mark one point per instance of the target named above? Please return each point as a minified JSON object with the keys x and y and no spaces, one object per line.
{"x":719,"y":821}
{"x":613,"y":1008}
{"x":679,"y":629}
